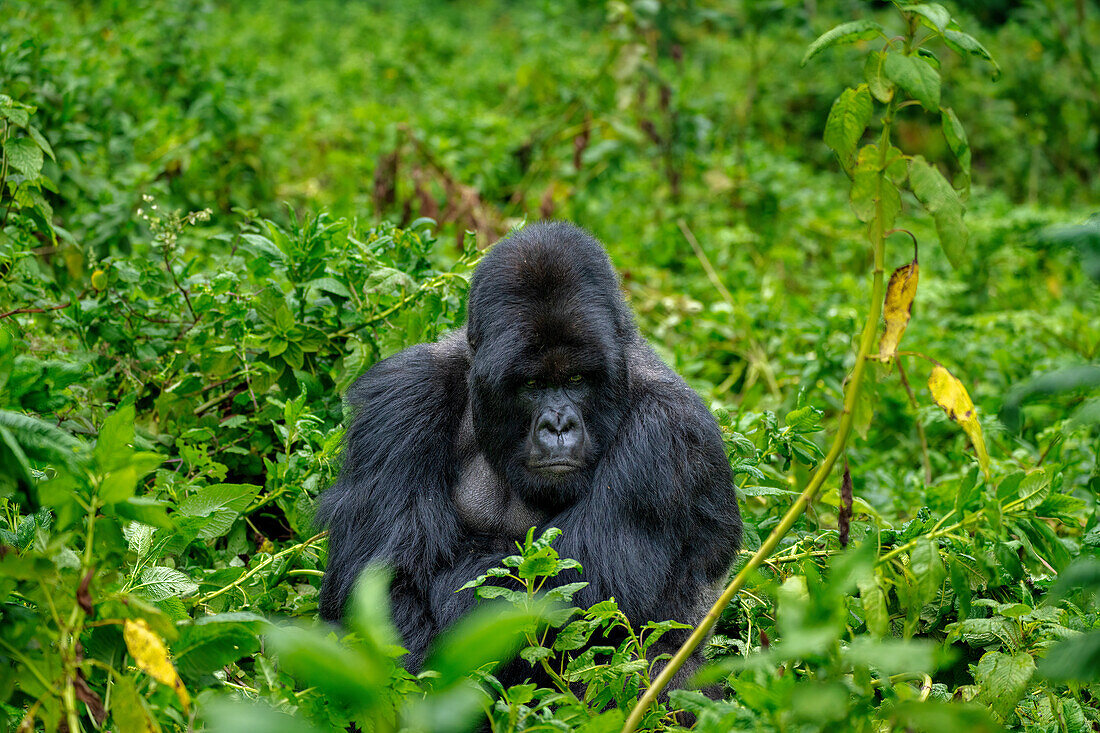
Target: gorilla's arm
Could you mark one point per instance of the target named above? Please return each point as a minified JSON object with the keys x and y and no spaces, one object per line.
{"x":660,"y":524}
{"x":391,"y":502}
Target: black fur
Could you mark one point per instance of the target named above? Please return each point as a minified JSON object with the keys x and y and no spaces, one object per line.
{"x":437,"y":477}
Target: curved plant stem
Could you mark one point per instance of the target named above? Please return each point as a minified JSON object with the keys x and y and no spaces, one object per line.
{"x":855,"y":382}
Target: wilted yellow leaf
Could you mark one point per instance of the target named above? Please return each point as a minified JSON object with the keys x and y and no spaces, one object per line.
{"x":151,"y":656}
{"x":950,"y":394}
{"x":899,"y":305}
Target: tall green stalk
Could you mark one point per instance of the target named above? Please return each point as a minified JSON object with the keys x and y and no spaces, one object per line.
{"x":813,"y":488}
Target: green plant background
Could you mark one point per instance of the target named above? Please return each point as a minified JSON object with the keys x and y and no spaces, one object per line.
{"x":215,"y":215}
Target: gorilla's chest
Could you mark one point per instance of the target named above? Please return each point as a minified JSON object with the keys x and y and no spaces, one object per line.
{"x":487,"y":506}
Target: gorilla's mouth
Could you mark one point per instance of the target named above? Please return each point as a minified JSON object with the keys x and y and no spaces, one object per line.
{"x":556,"y":467}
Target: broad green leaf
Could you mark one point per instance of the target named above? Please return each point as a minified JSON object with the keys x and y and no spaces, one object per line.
{"x":225,"y":715}
{"x":41,"y":141}
{"x":927,"y":568}
{"x":144,"y":509}
{"x":876,"y":614}
{"x":963,"y":43}
{"x":215,"y":641}
{"x":262,"y":245}
{"x":942,"y":201}
{"x":933,"y":15}
{"x":120,"y":483}
{"x":955,"y":136}
{"x":892,"y":656}
{"x":158,"y":583}
{"x":112,"y":444}
{"x":369,"y":613}
{"x":848,"y":118}
{"x":351,"y":680}
{"x":873,"y":194}
{"x":1034,"y":488}
{"x":898,"y":307}
{"x":960,"y":584}
{"x":221,"y":503}
{"x":856,"y":30}
{"x":877,"y":82}
{"x":489,"y":635}
{"x":1073,"y":660}
{"x":941,"y":717}
{"x":24,"y":155}
{"x":330,"y":285}
{"x":16,"y":113}
{"x":917,"y":77}
{"x":1003,"y":679}
{"x":128,"y":708}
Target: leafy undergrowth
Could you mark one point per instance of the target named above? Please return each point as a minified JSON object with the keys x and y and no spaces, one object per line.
{"x":170,"y":375}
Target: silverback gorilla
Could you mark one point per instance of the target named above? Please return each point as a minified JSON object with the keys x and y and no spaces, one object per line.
{"x":547,"y":409}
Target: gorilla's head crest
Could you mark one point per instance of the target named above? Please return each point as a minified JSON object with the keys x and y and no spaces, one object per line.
{"x":549,"y":332}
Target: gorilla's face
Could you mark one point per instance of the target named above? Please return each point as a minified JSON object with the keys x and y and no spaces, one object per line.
{"x":548,"y":333}
{"x":545,"y":410}
{"x":557,"y":443}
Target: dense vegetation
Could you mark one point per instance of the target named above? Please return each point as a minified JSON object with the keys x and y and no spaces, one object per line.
{"x":215,"y":215}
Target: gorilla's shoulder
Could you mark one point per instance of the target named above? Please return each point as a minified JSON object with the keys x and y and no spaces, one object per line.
{"x":651,"y":378}
{"x":429,"y":370}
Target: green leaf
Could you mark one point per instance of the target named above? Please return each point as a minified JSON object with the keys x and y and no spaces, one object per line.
{"x":856,"y":30}
{"x":144,"y":509}
{"x":872,"y":192}
{"x":158,"y":583}
{"x":1073,"y":660}
{"x":955,"y":136}
{"x":917,"y":77}
{"x":933,"y":15}
{"x":540,"y":563}
{"x":848,"y":119}
{"x":1003,"y":679}
{"x":963,"y":43}
{"x":221,"y":503}
{"x":877,"y":82}
{"x":15,"y":112}
{"x":41,"y":141}
{"x":369,"y":612}
{"x":350,"y":680}
{"x":927,"y":569}
{"x":535,"y":654}
{"x":262,"y":245}
{"x":892,"y":656}
{"x":23,"y":154}
{"x":120,"y":483}
{"x":206,"y":648}
{"x":112,"y":444}
{"x":876,"y":614}
{"x":128,"y":707}
{"x":491,"y":634}
{"x":330,"y":285}
{"x":942,"y":201}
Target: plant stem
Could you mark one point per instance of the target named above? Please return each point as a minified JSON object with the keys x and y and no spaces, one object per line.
{"x":207,"y":597}
{"x":855,"y":382}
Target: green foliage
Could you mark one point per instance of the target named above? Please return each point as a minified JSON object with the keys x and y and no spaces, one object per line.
{"x":174,"y":341}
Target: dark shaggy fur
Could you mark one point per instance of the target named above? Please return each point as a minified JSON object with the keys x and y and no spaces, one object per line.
{"x":437,"y":477}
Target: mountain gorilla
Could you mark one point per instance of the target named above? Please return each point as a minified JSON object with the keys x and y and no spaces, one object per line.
{"x":548,"y":409}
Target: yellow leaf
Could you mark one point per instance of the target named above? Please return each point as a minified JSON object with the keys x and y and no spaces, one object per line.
{"x":151,"y":656}
{"x":950,"y":394}
{"x":899,"y":305}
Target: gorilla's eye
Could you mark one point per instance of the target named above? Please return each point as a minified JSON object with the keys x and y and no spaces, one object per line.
{"x":530,"y":384}
{"x":576,"y":379}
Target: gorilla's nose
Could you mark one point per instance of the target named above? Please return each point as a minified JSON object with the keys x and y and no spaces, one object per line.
{"x":558,"y":436}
